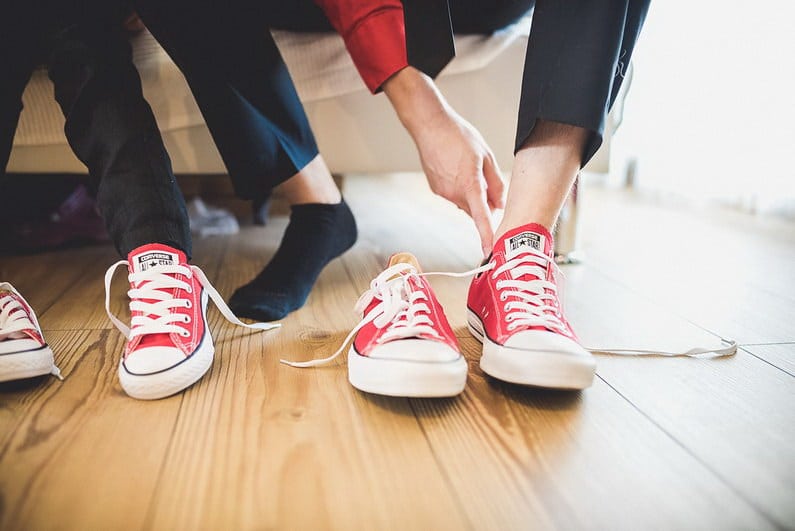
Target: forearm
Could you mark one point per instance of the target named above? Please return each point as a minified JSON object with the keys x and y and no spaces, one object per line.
{"x":416,"y":100}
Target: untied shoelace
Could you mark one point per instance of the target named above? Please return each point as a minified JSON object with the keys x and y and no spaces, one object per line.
{"x":157,"y":317}
{"x":402,"y":310}
{"x":406,"y":315}
{"x":528,"y":305}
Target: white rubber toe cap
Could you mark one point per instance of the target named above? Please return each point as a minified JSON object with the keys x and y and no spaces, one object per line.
{"x":152,"y":360}
{"x":421,"y":350}
{"x":544,"y":341}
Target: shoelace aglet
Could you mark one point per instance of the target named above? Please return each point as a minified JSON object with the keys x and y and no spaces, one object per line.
{"x":264,"y":327}
{"x":55,"y":371}
{"x":302,"y":364}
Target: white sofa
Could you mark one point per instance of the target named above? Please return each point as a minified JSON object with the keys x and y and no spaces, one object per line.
{"x":356,"y":132}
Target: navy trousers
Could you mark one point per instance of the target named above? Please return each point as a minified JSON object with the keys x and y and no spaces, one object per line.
{"x":240,"y":82}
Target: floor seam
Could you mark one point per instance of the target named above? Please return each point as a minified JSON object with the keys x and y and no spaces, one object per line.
{"x":698,"y":459}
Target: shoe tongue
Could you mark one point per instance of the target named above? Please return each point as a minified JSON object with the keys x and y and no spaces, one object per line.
{"x":144,"y":258}
{"x":147,"y":256}
{"x":404,"y":258}
{"x":524,"y":238}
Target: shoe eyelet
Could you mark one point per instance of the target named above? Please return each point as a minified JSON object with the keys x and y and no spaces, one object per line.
{"x":185,"y":333}
{"x":509,"y":318}
{"x":188,"y":303}
{"x":506,"y":308}
{"x":503,"y":297}
{"x":186,"y":318}
{"x":189,"y":290}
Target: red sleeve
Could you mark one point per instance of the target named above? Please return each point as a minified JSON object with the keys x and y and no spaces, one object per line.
{"x":374,"y":34}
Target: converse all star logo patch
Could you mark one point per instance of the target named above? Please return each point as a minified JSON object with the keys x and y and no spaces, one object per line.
{"x":524,"y":240}
{"x":148,"y":260}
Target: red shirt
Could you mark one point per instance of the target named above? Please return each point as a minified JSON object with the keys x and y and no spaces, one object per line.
{"x":374,"y":33}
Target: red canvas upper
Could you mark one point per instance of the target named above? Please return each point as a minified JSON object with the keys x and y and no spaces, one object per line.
{"x":485,"y":299}
{"x":368,"y":337}
{"x":150,"y":255}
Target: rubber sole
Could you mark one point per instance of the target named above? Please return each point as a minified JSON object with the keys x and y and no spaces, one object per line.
{"x":407,"y":378}
{"x":26,"y":364}
{"x":539,"y":368}
{"x":169,"y":382}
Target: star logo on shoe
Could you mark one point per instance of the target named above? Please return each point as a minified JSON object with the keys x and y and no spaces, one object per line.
{"x":147,"y":261}
{"x":522,"y":241}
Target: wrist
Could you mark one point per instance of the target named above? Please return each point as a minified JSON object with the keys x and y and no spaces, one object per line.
{"x":416,"y":100}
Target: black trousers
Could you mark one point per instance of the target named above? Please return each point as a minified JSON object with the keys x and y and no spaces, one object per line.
{"x":109,"y":125}
{"x":576,"y":57}
{"x":575,"y":63}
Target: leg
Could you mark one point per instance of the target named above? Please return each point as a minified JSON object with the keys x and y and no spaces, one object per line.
{"x":15,"y":75}
{"x":252,"y":110}
{"x":515,"y":309}
{"x":21,"y":46}
{"x":544,"y":169}
{"x":19,"y":51}
{"x":242,"y":87}
{"x":112,"y":130}
{"x":567,"y":92}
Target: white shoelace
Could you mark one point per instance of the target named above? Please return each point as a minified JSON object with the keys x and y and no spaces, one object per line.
{"x":14,"y":320}
{"x":157,"y":317}
{"x":406,"y":314}
{"x":528,"y":305}
{"x":13,"y":317}
{"x":402,"y":311}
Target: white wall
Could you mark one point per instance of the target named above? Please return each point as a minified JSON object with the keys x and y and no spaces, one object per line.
{"x":711,"y":113}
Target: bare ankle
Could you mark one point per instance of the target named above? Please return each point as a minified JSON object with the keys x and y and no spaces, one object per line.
{"x":312,"y":184}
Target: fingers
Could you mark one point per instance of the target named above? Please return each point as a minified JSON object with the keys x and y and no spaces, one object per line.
{"x":495,"y":186}
{"x":478,"y":209}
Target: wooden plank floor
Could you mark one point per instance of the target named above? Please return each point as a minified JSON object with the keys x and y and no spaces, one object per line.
{"x":655,"y":443}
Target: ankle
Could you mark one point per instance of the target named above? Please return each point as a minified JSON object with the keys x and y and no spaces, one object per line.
{"x":508,"y":225}
{"x":312,"y":184}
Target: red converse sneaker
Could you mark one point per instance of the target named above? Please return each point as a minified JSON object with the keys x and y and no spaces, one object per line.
{"x":170,"y":346}
{"x":515,"y":311}
{"x":23,"y":351}
{"x":404,"y":345}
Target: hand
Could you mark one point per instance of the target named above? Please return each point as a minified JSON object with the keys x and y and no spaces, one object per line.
{"x":461,"y":168}
{"x":457,"y":161}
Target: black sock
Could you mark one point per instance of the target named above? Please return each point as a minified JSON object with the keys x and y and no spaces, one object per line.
{"x":317,"y":234}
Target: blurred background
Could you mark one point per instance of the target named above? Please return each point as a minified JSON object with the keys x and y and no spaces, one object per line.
{"x":710,"y":116}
